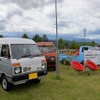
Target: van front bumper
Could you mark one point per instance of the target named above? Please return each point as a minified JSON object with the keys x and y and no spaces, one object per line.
{"x":19,"y":79}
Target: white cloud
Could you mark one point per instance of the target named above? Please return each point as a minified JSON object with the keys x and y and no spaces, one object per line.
{"x":39,"y":16}
{"x":81,"y":13}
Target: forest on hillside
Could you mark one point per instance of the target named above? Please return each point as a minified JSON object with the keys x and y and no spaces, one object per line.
{"x":62,"y":44}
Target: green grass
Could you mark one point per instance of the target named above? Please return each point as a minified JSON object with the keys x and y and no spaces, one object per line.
{"x":70,"y":86}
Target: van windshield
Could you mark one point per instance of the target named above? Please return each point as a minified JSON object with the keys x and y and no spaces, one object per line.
{"x":24,"y":50}
{"x":46,"y":48}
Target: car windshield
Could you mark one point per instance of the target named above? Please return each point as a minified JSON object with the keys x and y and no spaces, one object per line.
{"x":46,"y":48}
{"x":24,"y":50}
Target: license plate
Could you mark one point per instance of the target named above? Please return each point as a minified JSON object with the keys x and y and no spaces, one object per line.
{"x":33,"y":75}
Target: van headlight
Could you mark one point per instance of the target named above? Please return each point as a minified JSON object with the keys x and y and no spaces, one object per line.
{"x":17,"y":70}
{"x":44,"y":65}
{"x":52,"y":58}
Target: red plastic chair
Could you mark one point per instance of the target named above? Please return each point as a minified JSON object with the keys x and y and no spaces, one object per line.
{"x":77,"y":66}
{"x":91,"y":65}
{"x":77,"y":52}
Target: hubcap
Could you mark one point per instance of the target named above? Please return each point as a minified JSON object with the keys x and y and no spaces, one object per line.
{"x":64,"y":62}
{"x":4,"y":83}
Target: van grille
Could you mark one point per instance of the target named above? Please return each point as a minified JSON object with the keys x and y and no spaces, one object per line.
{"x":26,"y":69}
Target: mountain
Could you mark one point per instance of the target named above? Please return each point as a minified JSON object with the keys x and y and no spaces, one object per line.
{"x":71,"y":38}
{"x":53,"y":36}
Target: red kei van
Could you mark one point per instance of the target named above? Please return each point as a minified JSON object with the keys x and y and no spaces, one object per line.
{"x":49,"y":51}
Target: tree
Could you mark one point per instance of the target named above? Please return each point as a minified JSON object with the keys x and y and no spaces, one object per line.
{"x":74,"y":45}
{"x":25,"y":36}
{"x":66,"y":45}
{"x":45,"y":39}
{"x":60,"y":43}
{"x":37,"y":38}
{"x":84,"y":44}
{"x":1,"y":36}
{"x":92,"y":43}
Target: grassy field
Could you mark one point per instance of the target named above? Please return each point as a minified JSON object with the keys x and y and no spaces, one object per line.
{"x":71,"y":86}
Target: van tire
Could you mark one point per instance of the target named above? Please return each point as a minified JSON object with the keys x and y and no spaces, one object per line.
{"x":5,"y":84}
{"x":64,"y":61}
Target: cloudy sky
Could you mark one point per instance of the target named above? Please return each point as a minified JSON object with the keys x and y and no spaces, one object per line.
{"x":38,"y":16}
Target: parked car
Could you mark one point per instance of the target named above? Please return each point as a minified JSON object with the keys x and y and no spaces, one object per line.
{"x":20,"y":61}
{"x":49,"y":51}
{"x":78,"y":55}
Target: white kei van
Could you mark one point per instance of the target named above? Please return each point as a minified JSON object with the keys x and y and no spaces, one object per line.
{"x":20,"y":61}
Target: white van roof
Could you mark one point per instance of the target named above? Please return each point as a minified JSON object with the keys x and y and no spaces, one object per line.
{"x":16,"y":41}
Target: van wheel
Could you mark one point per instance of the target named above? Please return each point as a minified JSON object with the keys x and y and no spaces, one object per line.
{"x":5,"y":84}
{"x":54,"y":69}
{"x":64,"y":61}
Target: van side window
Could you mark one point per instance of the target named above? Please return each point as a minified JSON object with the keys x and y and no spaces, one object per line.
{"x":5,"y":51}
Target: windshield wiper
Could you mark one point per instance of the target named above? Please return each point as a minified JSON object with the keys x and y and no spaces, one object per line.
{"x":40,"y":54}
{"x":31,"y":56}
{"x":36,"y":55}
{"x":24,"y":56}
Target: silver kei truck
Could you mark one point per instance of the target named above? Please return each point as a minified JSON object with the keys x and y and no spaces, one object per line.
{"x":20,"y":61}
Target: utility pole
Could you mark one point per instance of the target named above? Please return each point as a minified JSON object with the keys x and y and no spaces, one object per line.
{"x":57,"y":54}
